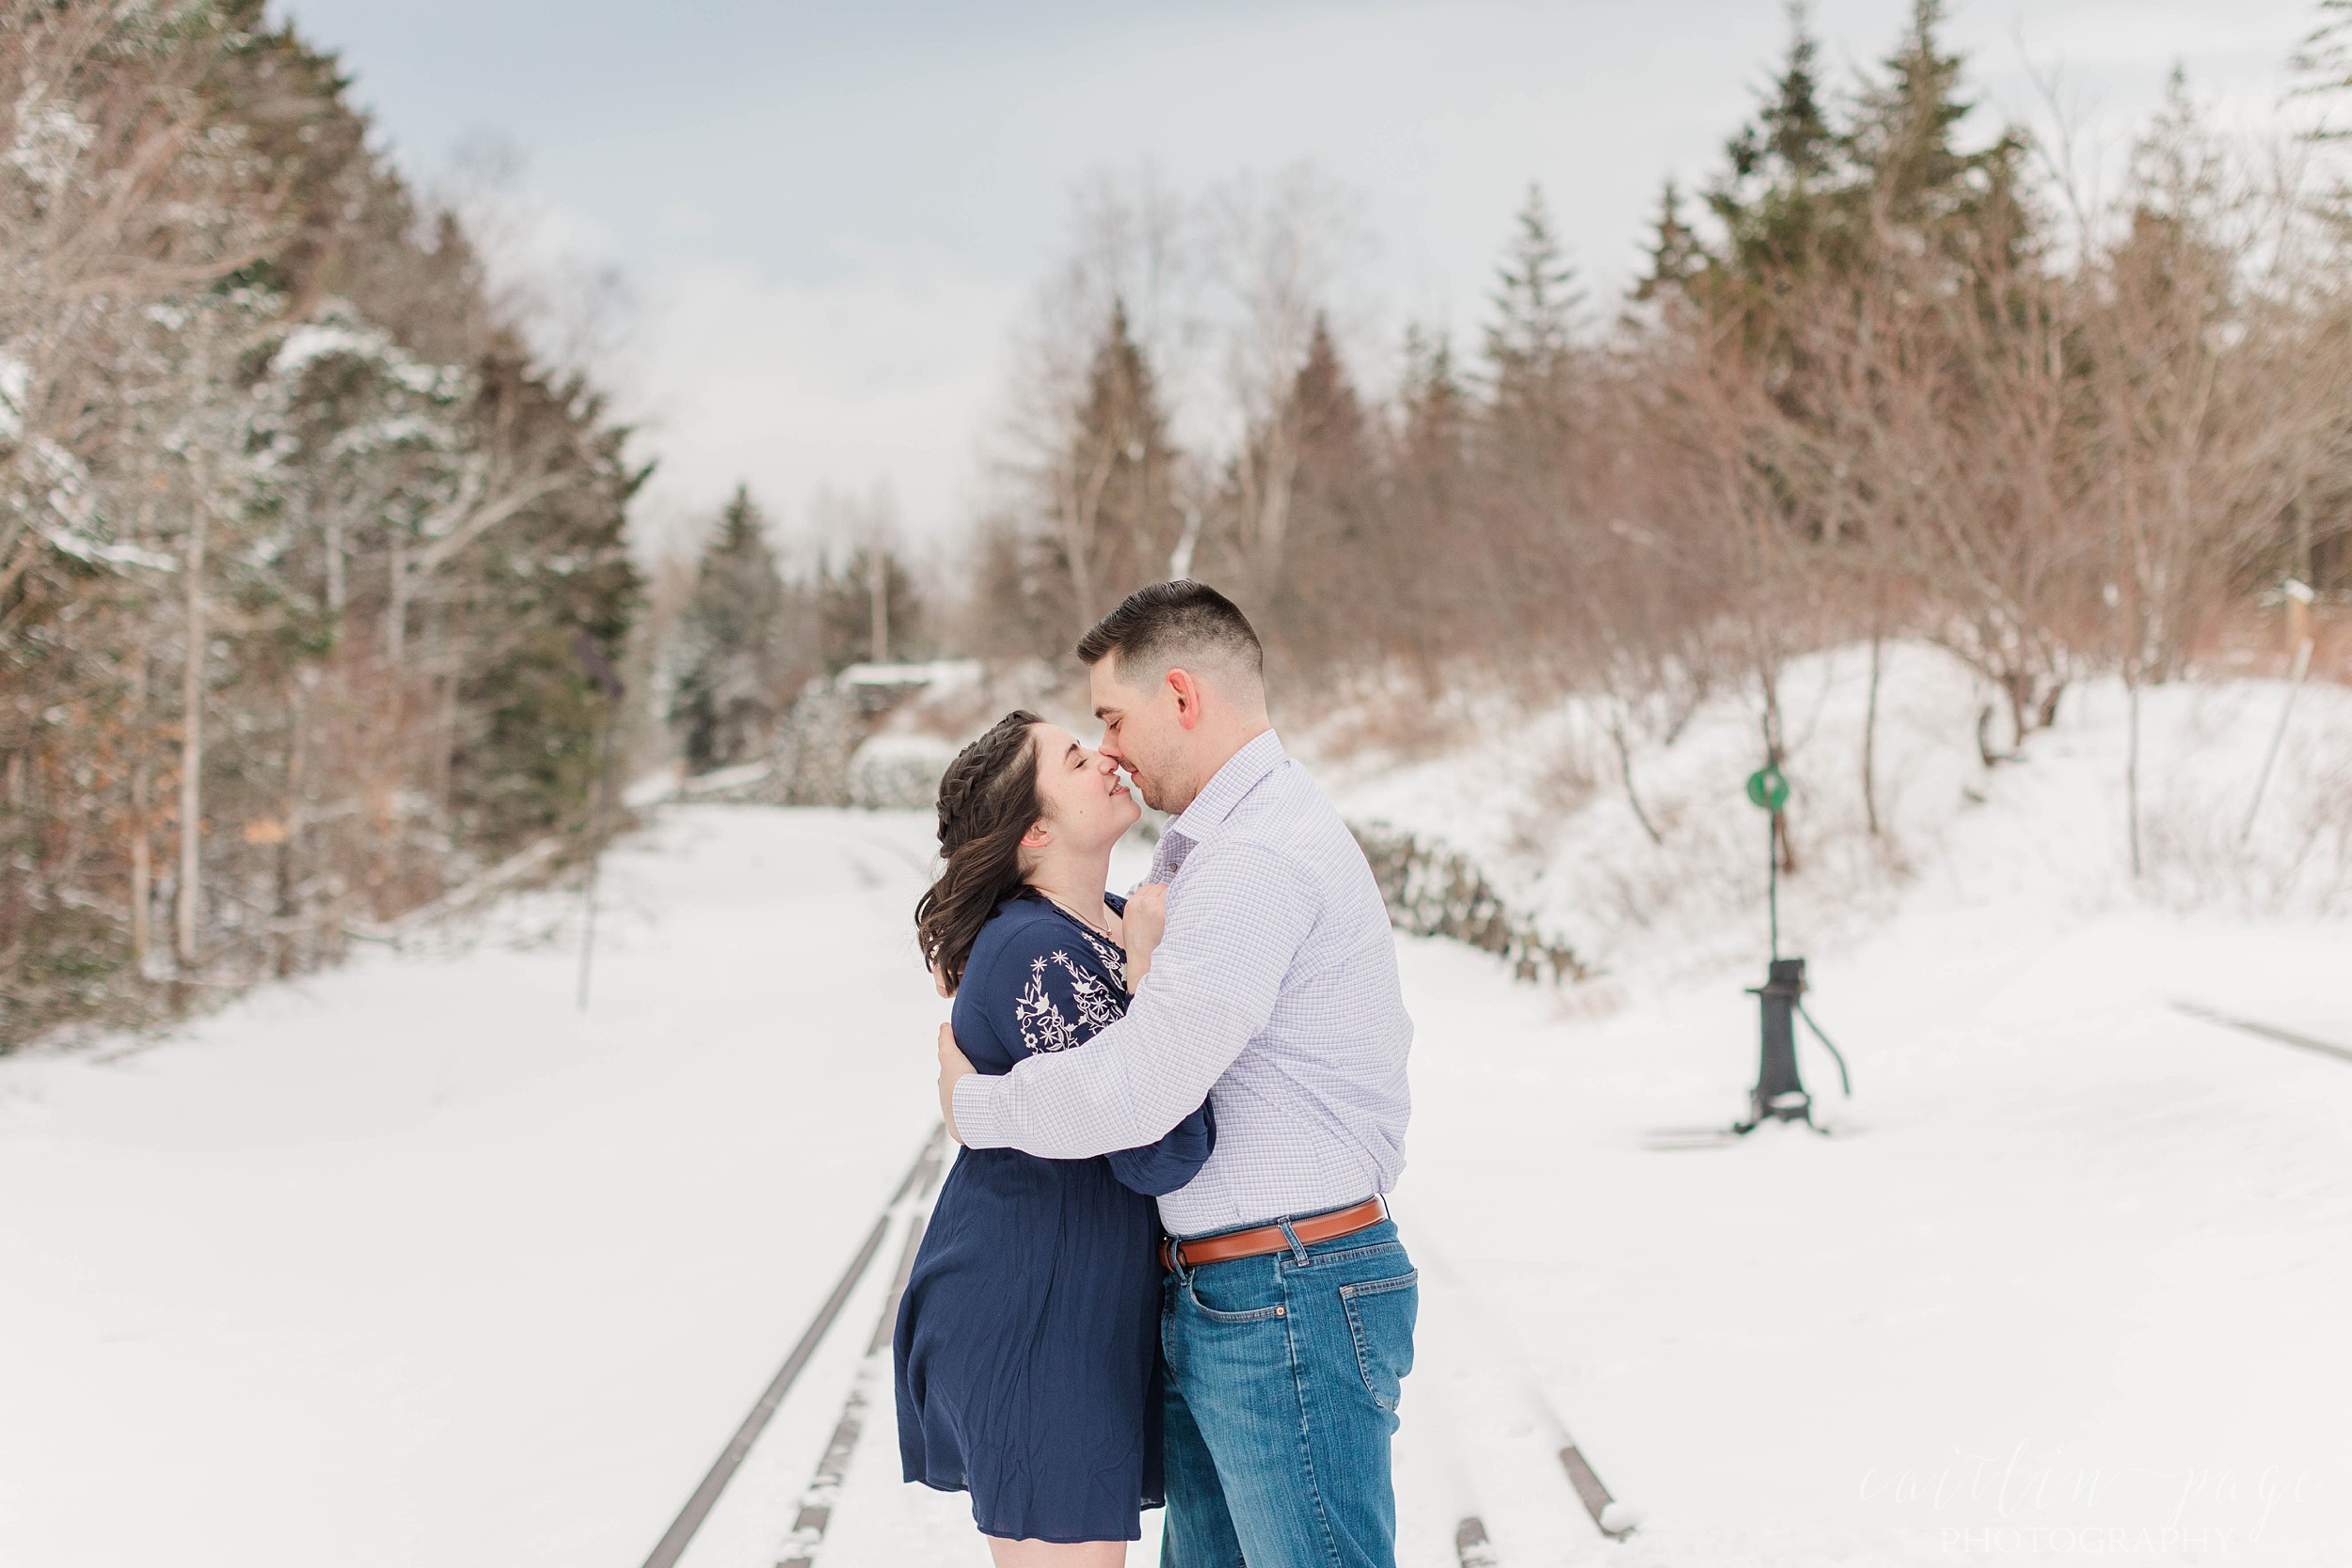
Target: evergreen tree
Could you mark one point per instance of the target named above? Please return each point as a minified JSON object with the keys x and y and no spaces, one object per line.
{"x":1124,"y":421}
{"x":1427,"y":536}
{"x":734,"y":639}
{"x":1330,"y":415}
{"x":2322,"y":64}
{"x":1112,"y":522}
{"x":1318,"y":612}
{"x":1436,"y":407}
{"x":844,"y":611}
{"x":292,"y":526}
{"x":1773,"y":200}
{"x":525,"y":757}
{"x":1675,"y":255}
{"x":1527,"y":345}
{"x":1964,"y":206}
{"x":1792,"y":132}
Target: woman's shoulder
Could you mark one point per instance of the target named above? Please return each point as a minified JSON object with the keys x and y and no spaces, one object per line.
{"x":1018,"y":926}
{"x":1027,"y":932}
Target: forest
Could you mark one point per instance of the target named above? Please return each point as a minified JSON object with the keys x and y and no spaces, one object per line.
{"x":1892,"y":372}
{"x":309,"y":563}
{"x":300,"y":544}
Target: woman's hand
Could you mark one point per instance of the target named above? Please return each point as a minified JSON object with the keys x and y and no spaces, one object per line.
{"x":1141,"y":927}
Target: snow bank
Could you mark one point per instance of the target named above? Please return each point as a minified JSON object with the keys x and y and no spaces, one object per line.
{"x":1538,"y":801}
{"x":898,"y":772}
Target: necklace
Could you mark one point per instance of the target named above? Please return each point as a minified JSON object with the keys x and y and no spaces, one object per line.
{"x":1079,"y":918}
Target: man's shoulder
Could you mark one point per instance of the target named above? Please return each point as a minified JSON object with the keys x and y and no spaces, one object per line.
{"x":1289,"y":819}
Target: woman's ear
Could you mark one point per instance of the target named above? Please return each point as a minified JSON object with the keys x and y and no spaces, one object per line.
{"x":1037,"y":837}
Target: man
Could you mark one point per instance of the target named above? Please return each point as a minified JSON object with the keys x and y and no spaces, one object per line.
{"x":1288,"y":1317}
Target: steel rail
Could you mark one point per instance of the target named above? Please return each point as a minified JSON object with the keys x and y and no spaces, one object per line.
{"x":2266,"y":1031}
{"x":681,"y":1532}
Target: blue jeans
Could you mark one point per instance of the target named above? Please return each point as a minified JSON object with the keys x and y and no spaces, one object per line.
{"x":1284,"y":1375}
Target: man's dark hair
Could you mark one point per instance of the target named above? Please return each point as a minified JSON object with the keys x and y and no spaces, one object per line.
{"x":1170,"y":625}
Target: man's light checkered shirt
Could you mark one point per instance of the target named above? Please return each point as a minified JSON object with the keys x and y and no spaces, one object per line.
{"x":1273,"y":995}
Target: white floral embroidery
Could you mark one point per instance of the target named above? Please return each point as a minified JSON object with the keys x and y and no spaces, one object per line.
{"x":1108,"y":953}
{"x":1043,"y":1027}
{"x":1110,"y":957}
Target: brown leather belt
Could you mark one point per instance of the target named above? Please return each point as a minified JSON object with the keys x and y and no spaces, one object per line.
{"x":1259,"y":1240}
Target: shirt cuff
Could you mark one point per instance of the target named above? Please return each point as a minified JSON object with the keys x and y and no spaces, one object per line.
{"x":980,"y":1112}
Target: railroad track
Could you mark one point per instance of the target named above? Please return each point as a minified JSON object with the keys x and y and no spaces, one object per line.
{"x":908,"y":1211}
{"x":1479,"y":1352}
{"x":914,"y":1190}
{"x":2265,"y":1031}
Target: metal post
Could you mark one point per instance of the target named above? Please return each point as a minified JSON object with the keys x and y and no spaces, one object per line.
{"x":2295,"y":684}
{"x":596,"y":853}
{"x":607,"y":681}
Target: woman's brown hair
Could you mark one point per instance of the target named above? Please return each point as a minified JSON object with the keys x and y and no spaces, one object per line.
{"x":987,"y":800}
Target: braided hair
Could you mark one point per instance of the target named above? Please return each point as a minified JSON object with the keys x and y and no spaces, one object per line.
{"x":988,"y":799}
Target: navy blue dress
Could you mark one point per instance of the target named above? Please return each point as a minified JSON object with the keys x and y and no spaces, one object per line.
{"x":1027,"y":1344}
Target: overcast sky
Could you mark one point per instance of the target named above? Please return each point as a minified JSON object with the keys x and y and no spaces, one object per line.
{"x":832,"y":217}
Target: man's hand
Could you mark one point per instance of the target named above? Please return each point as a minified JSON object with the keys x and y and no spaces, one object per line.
{"x":1141,"y":926}
{"x":954,"y":1067}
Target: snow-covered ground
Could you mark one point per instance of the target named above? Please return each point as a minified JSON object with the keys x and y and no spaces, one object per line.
{"x":414,"y":1265}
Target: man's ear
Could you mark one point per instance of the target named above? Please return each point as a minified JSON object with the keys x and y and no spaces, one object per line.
{"x":1187,"y":698}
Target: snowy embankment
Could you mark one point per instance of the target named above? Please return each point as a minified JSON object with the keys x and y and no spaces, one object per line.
{"x":1539,"y":801}
{"x":2074,"y":1262}
{"x":413,"y":1263}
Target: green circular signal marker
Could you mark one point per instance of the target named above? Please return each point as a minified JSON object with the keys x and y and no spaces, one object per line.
{"x":1768,"y":788}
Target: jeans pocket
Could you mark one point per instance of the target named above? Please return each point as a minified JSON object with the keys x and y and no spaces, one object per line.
{"x":1381,"y":1318}
{"x":1234,"y":1312}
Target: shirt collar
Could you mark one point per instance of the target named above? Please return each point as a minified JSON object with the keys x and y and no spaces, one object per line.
{"x":1243,"y":773}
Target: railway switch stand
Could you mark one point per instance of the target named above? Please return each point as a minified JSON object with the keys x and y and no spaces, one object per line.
{"x":1779,"y":1093}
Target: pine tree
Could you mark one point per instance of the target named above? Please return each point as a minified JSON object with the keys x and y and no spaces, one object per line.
{"x":527,"y":714}
{"x":1796,"y":134}
{"x":1318,"y":612}
{"x":1436,"y":407}
{"x":1527,"y":345}
{"x":1781,"y":176}
{"x":1330,"y":415}
{"x":2322,"y":64}
{"x":734,"y":642}
{"x":1675,"y":256}
{"x":1963,"y":205}
{"x":845,"y":610}
{"x":1113,"y":525}
{"x":308,"y":530}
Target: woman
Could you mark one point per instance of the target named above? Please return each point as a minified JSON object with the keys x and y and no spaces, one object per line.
{"x":1026,"y":1349}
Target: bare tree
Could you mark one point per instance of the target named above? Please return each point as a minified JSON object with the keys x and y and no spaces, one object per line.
{"x":119,"y":186}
